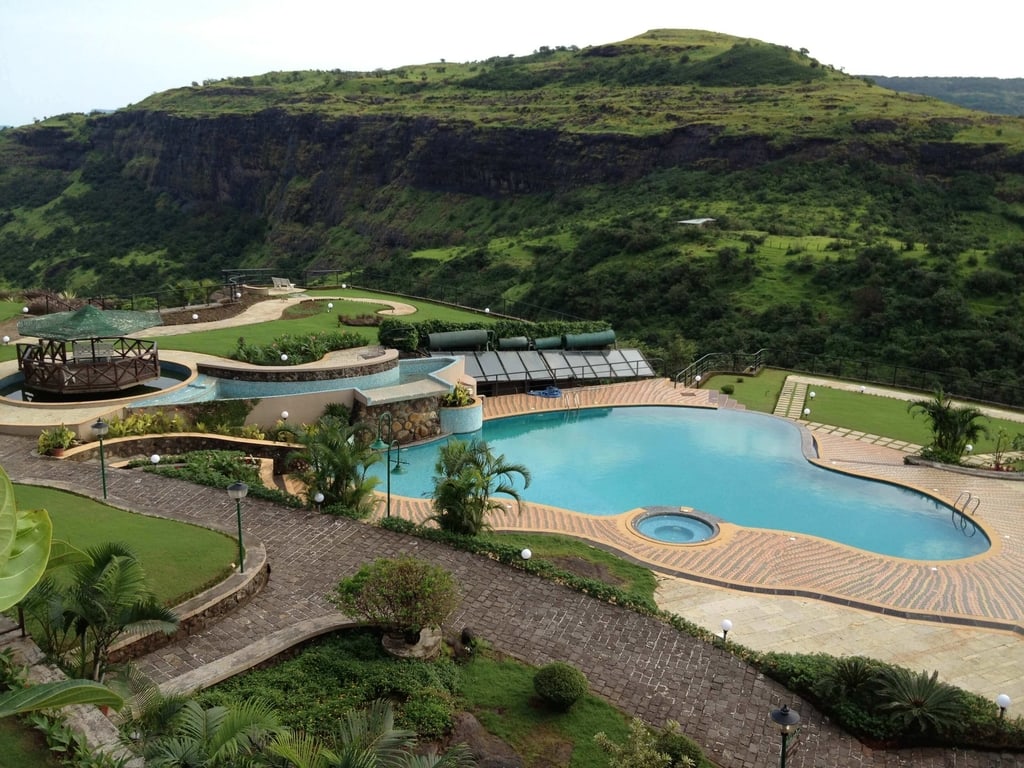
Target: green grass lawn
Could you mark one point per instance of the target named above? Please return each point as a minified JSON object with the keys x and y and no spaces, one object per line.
{"x":180,"y":560}
{"x":632,"y":579}
{"x":872,"y":414}
{"x":23,"y":747}
{"x":300,"y":322}
{"x":500,"y":694}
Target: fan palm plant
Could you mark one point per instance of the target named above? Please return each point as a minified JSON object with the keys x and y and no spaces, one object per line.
{"x":364,"y":738}
{"x":919,"y":701}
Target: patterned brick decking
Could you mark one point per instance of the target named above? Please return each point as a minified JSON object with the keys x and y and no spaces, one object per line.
{"x":637,"y":663}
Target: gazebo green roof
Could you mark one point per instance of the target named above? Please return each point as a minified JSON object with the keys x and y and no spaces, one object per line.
{"x":88,"y":322}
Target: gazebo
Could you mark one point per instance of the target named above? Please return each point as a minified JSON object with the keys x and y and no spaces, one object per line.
{"x":87,"y":351}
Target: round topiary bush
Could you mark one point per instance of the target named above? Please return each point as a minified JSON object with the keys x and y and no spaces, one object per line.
{"x":560,"y":685}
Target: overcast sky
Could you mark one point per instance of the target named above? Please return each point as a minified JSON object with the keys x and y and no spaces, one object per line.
{"x":75,"y":55}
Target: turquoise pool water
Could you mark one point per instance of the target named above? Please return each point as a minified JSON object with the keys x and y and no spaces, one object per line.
{"x":743,"y":468}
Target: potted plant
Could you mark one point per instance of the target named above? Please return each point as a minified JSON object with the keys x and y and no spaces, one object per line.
{"x":459,"y":397}
{"x":53,"y":442}
{"x":460,"y":411}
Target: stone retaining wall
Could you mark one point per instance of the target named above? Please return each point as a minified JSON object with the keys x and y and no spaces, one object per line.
{"x":198,"y":612}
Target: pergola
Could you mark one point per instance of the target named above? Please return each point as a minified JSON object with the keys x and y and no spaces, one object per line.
{"x":87,"y":351}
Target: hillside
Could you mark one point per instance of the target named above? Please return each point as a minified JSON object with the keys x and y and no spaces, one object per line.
{"x":1003,"y":96}
{"x":849,"y":219}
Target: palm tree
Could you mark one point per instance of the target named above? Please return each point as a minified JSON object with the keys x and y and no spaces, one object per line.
{"x":467,"y":477}
{"x":365,"y":738}
{"x":336,"y":457}
{"x":953,"y":426}
{"x":215,"y":737}
{"x":919,"y":701}
{"x":108,"y":598}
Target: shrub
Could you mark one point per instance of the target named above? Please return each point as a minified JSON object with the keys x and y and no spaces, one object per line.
{"x":727,"y":389}
{"x":53,"y":439}
{"x":679,"y":747}
{"x":402,"y":595}
{"x":560,"y":685}
{"x":429,"y":713}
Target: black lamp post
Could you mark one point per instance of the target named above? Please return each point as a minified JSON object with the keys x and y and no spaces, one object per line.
{"x":100,"y":429}
{"x":238,"y":491}
{"x":380,"y":444}
{"x":786,"y":719}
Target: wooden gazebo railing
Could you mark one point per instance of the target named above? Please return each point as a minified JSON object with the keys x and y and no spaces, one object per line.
{"x":84,"y":366}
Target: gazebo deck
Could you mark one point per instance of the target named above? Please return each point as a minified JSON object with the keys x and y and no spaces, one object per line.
{"x":87,"y":366}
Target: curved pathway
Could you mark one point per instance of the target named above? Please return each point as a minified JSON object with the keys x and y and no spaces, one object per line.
{"x":637,"y":663}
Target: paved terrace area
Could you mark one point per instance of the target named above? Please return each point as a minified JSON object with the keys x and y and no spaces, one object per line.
{"x":637,"y":663}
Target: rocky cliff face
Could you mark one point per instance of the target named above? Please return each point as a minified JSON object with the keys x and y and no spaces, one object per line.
{"x":305,"y":169}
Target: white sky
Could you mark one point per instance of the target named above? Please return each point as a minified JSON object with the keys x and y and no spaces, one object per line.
{"x":76,"y":55}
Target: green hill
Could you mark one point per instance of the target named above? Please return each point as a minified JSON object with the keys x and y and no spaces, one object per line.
{"x":849,"y":220}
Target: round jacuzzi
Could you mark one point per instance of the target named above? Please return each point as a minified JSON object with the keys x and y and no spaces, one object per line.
{"x":675,"y":526}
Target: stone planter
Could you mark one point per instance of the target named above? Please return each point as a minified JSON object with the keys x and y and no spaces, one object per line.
{"x":463,"y":419}
{"x":426,"y":646}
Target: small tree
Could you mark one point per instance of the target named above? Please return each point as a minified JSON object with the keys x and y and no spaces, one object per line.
{"x":399,"y":596}
{"x":108,"y":598}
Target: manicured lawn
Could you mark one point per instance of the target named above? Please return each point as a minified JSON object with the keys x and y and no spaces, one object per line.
{"x":223,"y":341}
{"x":872,"y":414}
{"x":757,"y":393}
{"x":180,"y":560}
{"x":500,"y":693}
{"x":22,"y":747}
{"x":565,"y":553}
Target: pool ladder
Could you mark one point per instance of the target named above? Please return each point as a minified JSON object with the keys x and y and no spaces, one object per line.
{"x":964,"y":509}
{"x":572,"y":406}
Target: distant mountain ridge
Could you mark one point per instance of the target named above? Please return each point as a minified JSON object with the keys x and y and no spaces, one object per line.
{"x":1001,"y":96}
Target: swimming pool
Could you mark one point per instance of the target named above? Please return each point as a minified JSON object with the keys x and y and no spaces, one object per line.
{"x":743,"y":468}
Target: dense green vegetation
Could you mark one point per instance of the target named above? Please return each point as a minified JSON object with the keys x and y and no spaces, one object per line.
{"x":345,"y":670}
{"x":850,"y":221}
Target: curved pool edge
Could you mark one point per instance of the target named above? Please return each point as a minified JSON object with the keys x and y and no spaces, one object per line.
{"x":831,"y":464}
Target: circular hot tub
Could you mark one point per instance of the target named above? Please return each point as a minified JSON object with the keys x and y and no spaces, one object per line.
{"x":675,"y":526}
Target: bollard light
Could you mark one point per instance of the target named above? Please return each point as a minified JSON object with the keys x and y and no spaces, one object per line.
{"x":154,"y":459}
{"x":726,"y":626}
{"x":526,"y":554}
{"x":1003,"y":701}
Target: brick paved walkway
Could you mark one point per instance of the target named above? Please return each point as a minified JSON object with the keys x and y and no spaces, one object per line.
{"x":637,"y":663}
